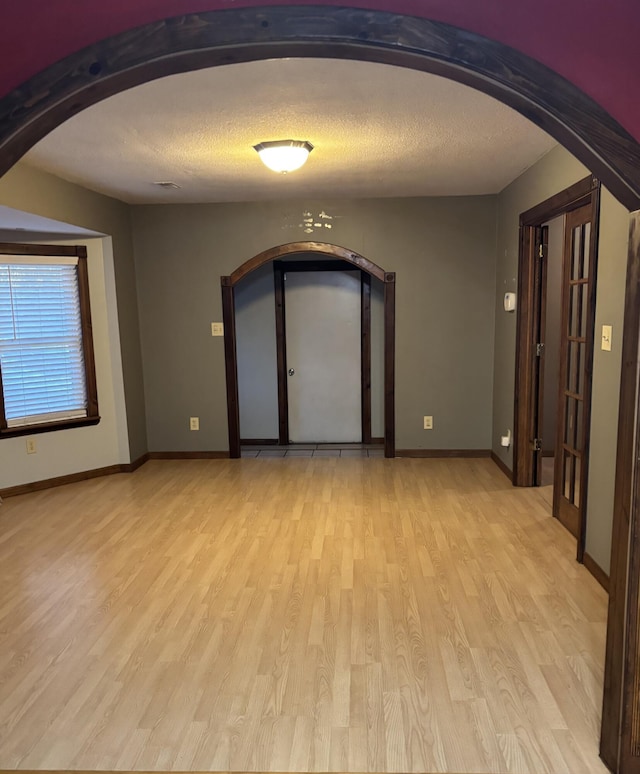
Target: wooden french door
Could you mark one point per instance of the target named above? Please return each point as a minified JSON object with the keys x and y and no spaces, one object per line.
{"x":576,"y":361}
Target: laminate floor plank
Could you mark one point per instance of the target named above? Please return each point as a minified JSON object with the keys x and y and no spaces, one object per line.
{"x":322,"y":613}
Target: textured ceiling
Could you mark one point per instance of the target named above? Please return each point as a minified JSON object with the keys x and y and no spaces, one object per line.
{"x":378,"y":131}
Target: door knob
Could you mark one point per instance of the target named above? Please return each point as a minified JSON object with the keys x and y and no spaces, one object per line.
{"x":291,"y":372}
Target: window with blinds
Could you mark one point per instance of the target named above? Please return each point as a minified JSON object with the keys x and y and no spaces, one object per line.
{"x":42,"y":352}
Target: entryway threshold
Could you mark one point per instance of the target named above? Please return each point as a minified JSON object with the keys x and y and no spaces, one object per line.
{"x":313,"y":450}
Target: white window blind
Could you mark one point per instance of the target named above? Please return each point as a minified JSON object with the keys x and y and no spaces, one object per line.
{"x":41,"y":354}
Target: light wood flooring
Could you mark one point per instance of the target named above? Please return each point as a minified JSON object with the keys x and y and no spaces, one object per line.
{"x":309,"y":614}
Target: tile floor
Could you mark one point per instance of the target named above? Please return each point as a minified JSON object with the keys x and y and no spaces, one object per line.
{"x":314,"y":450}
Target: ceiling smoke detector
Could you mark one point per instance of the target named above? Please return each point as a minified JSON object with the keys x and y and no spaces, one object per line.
{"x":169,"y":185}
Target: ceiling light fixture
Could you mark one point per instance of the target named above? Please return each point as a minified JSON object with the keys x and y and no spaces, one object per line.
{"x":284,"y":155}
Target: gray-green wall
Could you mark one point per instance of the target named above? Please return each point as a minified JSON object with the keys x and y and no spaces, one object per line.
{"x":442,"y":249}
{"x":612,"y":266}
{"x":30,"y":190}
{"x":552,"y":174}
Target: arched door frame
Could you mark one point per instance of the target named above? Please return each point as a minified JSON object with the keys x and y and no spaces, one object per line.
{"x":234,"y":35}
{"x":325,"y":250}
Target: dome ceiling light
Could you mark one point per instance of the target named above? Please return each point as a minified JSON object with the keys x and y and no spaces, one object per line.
{"x":284,"y":155}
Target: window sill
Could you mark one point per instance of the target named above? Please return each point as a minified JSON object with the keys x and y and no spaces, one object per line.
{"x":48,"y":427}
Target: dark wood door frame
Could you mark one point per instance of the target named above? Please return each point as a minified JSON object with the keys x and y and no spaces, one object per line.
{"x":280,"y":268}
{"x":620,"y":731}
{"x":583,"y":192}
{"x":281,"y":354}
{"x":531,"y":313}
{"x":332,"y":252}
{"x":539,"y":326}
{"x":565,"y":112}
{"x":365,"y":355}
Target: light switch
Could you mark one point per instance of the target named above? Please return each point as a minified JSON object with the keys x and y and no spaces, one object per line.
{"x":217,"y":329}
{"x":606,"y":338}
{"x":509,"y":302}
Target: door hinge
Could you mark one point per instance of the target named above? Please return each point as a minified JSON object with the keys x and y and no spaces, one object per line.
{"x":540,"y":250}
{"x":536,"y":444}
{"x":539,"y":349}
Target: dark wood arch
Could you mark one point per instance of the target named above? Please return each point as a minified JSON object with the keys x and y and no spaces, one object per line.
{"x":231,"y":35}
{"x":325,"y":250}
{"x":195,"y":41}
{"x":292,"y":248}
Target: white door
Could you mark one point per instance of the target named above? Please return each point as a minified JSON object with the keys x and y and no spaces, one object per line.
{"x":323,"y":344}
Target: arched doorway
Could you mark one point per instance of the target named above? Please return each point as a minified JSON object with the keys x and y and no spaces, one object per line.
{"x":228,"y":317}
{"x":235,"y":35}
{"x":570,"y":116}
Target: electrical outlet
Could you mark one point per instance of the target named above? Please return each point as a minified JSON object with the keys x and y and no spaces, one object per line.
{"x":428,"y":423}
{"x":194,"y":423}
{"x":31,"y":446}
